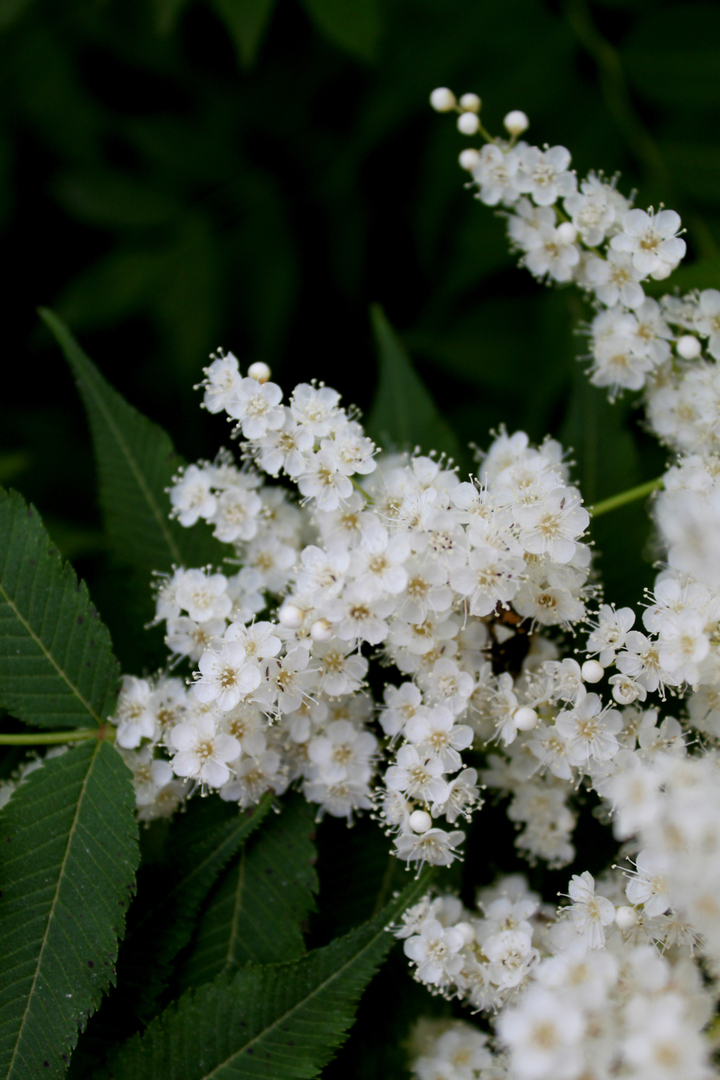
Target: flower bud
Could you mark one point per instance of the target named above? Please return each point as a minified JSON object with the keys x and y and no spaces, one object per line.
{"x":468,"y":123}
{"x":420,"y":821}
{"x":626,"y":917}
{"x":592,"y":672}
{"x":321,"y":630}
{"x":470,"y":103}
{"x":516,"y":122}
{"x":525,"y":719}
{"x":260,"y":371}
{"x":467,"y":931}
{"x":290,"y":615}
{"x":469,"y":159}
{"x":442,"y":99}
{"x":688,"y":347}
{"x":566,"y":232}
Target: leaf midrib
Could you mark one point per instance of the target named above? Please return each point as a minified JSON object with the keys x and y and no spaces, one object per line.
{"x":51,"y":913}
{"x":300,"y":1004}
{"x":134,"y":466}
{"x":49,"y":656}
{"x":237,"y":907}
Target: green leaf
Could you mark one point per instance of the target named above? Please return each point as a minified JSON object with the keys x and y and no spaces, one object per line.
{"x":70,"y":851}
{"x":403,"y":414}
{"x":246,"y":22}
{"x":272,"y":1021}
{"x":57,"y":668}
{"x":259,"y":908}
{"x":201,"y":845}
{"x":136,"y":462}
{"x":354,"y":25}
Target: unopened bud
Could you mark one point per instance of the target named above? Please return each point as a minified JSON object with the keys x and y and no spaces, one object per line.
{"x":420,"y":821}
{"x":260,"y":371}
{"x":626,"y":917}
{"x":467,"y":931}
{"x":525,"y":719}
{"x":291,"y":616}
{"x":321,"y":630}
{"x":468,"y":123}
{"x":516,"y":122}
{"x":470,"y":103}
{"x":469,"y":159}
{"x":442,"y":99}
{"x":592,"y":671}
{"x":566,"y":232}
{"x":688,"y":347}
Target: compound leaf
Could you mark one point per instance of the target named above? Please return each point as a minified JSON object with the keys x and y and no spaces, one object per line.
{"x":259,"y":908}
{"x":136,"y":462}
{"x":57,"y":668}
{"x":70,"y":850}
{"x":273,"y":1021}
{"x":201,"y":846}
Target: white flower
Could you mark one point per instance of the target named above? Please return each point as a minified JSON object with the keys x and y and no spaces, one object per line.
{"x":315,"y":408}
{"x":495,"y":174}
{"x":544,"y":175}
{"x":325,"y":481}
{"x":435,"y":846}
{"x":286,"y":447}
{"x":418,"y":776}
{"x":552,"y":526}
{"x":707,"y":319}
{"x":491,"y":576}
{"x":590,"y":731}
{"x":235,"y":517}
{"x":649,"y":885}
{"x":202,"y":753}
{"x":191,"y":496}
{"x":615,"y":280}
{"x":203,"y":595}
{"x":134,"y":713}
{"x":257,"y":407}
{"x":589,"y":913}
{"x":343,"y":752}
{"x":544,"y":1041}
{"x":610,"y":633}
{"x":435,"y":950}
{"x":221,"y":382}
{"x":652,"y":241}
{"x":437,"y":733}
{"x":226,"y":676}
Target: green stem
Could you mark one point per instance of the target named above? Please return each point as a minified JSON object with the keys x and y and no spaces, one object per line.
{"x":361,"y":489}
{"x":632,"y":495}
{"x":57,"y":738}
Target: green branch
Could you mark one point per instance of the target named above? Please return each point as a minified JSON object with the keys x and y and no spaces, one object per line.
{"x":55,"y":738}
{"x":624,"y":497}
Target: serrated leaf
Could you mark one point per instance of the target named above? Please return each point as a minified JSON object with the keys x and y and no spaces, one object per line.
{"x":136,"y":462}
{"x":57,"y":668}
{"x":246,"y":22}
{"x":201,"y":846}
{"x":403,"y":414}
{"x":259,"y":908}
{"x":354,"y":25}
{"x":69,"y":843}
{"x":274,"y":1021}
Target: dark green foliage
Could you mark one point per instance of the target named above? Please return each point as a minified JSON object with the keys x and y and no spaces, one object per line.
{"x":261,"y":904}
{"x":136,"y":462}
{"x":273,"y":1022}
{"x":200,"y":846}
{"x":404,"y":415}
{"x":56,"y":663}
{"x":69,"y":844}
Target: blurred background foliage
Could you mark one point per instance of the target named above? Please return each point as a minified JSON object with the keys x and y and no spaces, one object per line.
{"x":177,"y":175}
